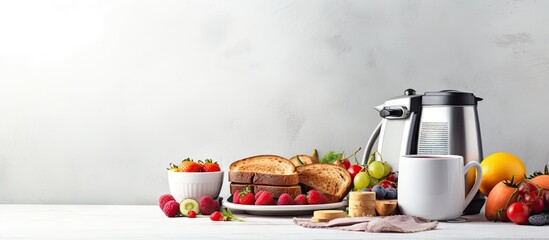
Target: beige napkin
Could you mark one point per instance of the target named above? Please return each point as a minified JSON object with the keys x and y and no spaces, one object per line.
{"x":396,"y":223}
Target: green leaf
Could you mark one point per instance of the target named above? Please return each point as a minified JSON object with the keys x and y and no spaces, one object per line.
{"x":331,"y":157}
{"x":227,"y":214}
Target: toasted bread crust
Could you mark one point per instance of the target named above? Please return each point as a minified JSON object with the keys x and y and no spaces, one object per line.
{"x":332,"y":180}
{"x":305,"y":159}
{"x":275,"y":191}
{"x":270,"y":164}
{"x":241,"y":177}
{"x":264,"y":178}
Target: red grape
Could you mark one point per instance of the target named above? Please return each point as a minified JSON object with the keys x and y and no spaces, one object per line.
{"x":538,"y":205}
{"x":386,"y":184}
{"x":545,"y":195}
{"x":529,"y":198}
{"x":532,"y":187}
{"x":524,"y":188}
{"x":390,"y":177}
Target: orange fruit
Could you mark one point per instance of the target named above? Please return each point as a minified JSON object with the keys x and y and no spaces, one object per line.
{"x":495,"y":209}
{"x":542,"y":181}
{"x":498,"y":167}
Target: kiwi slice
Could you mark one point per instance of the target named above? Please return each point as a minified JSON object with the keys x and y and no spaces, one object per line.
{"x":188,"y":204}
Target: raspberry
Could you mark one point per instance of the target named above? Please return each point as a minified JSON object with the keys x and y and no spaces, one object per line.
{"x":264,"y":198}
{"x":171,"y":208}
{"x":208,"y":205}
{"x":285,"y":199}
{"x":537,"y":220}
{"x":316,"y":197}
{"x":164,"y":199}
{"x":301,"y":199}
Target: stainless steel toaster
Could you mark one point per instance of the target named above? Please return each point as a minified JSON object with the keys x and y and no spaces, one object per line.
{"x":440,"y":122}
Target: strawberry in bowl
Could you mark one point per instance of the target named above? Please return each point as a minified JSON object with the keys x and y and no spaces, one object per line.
{"x":195,"y":179}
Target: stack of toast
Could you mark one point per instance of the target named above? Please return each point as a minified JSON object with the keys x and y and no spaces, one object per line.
{"x":298,"y":175}
{"x":269,"y":173}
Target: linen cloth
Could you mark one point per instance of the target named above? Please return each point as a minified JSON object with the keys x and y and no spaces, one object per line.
{"x":395,"y":223}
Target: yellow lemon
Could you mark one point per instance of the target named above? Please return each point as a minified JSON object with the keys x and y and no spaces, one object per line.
{"x":498,"y":167}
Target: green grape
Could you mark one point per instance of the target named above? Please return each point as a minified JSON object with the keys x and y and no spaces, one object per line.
{"x":386,"y":169}
{"x":376,"y":169}
{"x":361,"y":180}
{"x":373,"y":181}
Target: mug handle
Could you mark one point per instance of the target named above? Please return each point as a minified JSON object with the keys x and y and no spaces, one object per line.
{"x":478,"y":178}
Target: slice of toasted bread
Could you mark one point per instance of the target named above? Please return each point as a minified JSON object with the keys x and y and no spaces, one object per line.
{"x":330,"y":179}
{"x":275,"y":191}
{"x":270,"y":164}
{"x":263,"y":178}
{"x":303,"y":160}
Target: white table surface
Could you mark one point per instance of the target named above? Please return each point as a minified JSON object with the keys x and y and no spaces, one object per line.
{"x":148,"y":222}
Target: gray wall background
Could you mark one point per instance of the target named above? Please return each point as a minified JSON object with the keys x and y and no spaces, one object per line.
{"x":97,"y":97}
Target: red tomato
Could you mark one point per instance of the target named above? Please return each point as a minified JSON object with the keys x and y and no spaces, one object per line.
{"x":354,"y":170}
{"x":518,"y":213}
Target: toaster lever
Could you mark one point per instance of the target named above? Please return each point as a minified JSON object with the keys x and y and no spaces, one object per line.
{"x":391,"y":112}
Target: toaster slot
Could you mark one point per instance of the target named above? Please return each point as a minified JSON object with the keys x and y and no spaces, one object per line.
{"x":434,"y":138}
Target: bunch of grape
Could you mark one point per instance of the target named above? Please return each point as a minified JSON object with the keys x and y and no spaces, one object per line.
{"x":376,"y":172}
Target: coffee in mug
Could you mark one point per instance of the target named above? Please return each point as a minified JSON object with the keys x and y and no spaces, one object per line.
{"x":433,"y":186}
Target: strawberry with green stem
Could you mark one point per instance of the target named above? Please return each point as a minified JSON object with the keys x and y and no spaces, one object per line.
{"x":224,"y":215}
{"x":210,"y":166}
{"x":246,"y":197}
{"x":188,"y":165}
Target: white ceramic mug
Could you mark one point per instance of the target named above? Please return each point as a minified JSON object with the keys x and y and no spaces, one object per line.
{"x":433,"y":186}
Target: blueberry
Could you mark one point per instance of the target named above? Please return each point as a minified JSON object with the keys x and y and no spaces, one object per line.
{"x":365,"y":190}
{"x":537,"y":220}
{"x":391,"y":193}
{"x":380,"y":191}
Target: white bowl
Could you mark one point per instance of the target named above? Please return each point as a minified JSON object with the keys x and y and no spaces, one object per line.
{"x":194,"y":185}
